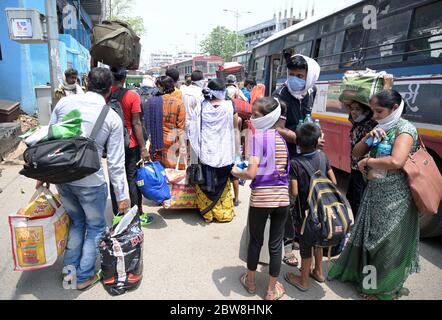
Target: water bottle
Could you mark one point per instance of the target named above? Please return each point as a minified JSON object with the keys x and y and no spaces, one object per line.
{"x":301,"y":123}
{"x":318,"y":123}
{"x":309,"y":119}
{"x":384,"y":150}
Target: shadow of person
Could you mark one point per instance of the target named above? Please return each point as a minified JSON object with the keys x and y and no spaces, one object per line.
{"x":190,"y":217}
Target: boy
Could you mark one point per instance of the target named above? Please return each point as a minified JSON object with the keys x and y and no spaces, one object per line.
{"x":307,"y":139}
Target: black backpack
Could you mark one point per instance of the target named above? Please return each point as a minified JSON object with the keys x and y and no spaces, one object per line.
{"x":116,"y":103}
{"x":64,"y":161}
{"x":326,"y":220}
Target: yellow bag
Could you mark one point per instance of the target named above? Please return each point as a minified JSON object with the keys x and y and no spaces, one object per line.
{"x":39,"y":232}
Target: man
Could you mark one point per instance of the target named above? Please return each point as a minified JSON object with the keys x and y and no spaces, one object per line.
{"x":188,"y":80}
{"x":175,"y":75}
{"x":131,"y":104}
{"x":298,"y":93}
{"x":85,"y":200}
{"x":233,"y":91}
{"x":249,"y":84}
{"x":69,"y":86}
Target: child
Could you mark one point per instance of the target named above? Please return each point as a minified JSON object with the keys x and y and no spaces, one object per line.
{"x":269,"y":170}
{"x":361,"y":118}
{"x":307,"y":139}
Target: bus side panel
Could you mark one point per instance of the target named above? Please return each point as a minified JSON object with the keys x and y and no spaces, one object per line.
{"x":337,"y":143}
{"x":434,"y":143}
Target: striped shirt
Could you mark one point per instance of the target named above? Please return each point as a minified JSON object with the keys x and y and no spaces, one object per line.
{"x":273,"y":196}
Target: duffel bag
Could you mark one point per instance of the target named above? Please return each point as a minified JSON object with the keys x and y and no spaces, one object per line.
{"x":64,"y":161}
{"x":152,"y":182}
{"x":115,"y":43}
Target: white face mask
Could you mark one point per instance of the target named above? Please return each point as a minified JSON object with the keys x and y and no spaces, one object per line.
{"x":267,"y":122}
{"x":361,"y":118}
{"x":392,"y":120}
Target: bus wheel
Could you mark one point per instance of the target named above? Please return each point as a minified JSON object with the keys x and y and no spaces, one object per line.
{"x":431,"y":226}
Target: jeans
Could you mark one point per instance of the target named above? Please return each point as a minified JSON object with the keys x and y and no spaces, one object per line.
{"x":86,"y":208}
{"x":133,"y":156}
{"x":257,"y":222}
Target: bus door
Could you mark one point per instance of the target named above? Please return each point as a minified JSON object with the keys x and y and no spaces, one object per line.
{"x":276,"y":64}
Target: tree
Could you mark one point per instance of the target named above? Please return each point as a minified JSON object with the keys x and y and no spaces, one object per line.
{"x":119,"y":10}
{"x":222,"y":42}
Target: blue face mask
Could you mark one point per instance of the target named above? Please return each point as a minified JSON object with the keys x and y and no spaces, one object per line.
{"x":296,"y":84}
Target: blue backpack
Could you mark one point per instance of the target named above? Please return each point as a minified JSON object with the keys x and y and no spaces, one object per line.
{"x":152,"y":182}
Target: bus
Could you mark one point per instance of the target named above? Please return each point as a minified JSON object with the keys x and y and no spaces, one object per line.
{"x":207,"y":64}
{"x":403,"y":38}
{"x":243,"y":58}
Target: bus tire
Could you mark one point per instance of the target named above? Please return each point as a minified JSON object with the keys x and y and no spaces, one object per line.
{"x":431,"y":226}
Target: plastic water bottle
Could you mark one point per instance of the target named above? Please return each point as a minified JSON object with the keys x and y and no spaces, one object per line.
{"x":384,"y":150}
{"x":309,"y":119}
{"x":301,"y":123}
{"x":318,"y":123}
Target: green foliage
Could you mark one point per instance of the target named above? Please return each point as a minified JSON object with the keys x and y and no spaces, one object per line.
{"x":119,"y":10}
{"x":222,"y":42}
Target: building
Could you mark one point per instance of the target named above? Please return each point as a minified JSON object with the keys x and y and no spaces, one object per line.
{"x":260,"y":32}
{"x":183,"y":56}
{"x":160,"y":59}
{"x":23,"y":67}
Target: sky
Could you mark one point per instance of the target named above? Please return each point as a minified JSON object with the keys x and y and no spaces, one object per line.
{"x":172,"y":25}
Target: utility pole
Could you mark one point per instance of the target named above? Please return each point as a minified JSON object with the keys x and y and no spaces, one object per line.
{"x":54,"y":56}
{"x":237,"y":15}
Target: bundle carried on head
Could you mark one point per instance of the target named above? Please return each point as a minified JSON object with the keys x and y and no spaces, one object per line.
{"x":360,"y":86}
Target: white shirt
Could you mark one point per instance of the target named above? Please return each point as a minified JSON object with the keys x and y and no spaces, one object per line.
{"x":110,"y":136}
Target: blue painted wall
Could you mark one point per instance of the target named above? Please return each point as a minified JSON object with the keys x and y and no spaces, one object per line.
{"x":24,"y":66}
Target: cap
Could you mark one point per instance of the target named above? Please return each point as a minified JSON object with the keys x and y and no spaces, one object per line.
{"x":231,"y":78}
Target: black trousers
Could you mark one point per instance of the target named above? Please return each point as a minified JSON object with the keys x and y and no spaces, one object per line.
{"x":356,"y":189}
{"x":133,"y":156}
{"x":257,"y":221}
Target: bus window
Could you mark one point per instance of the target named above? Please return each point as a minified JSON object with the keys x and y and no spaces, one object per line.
{"x":300,"y":36}
{"x":352,"y":44}
{"x":305,"y":49}
{"x":388,"y":6}
{"x":201,"y":65}
{"x":387,"y":43}
{"x":329,"y":51}
{"x":260,"y":69}
{"x":427,"y":26}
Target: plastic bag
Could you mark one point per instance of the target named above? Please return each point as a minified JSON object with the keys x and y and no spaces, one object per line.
{"x":121,"y":249}
{"x":152,"y":182}
{"x":39,"y":232}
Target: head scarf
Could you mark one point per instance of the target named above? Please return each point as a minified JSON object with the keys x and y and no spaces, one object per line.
{"x":314,"y":71}
{"x":268,"y":121}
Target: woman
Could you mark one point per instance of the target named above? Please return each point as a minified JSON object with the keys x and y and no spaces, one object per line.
{"x":212,"y":137}
{"x":173,"y":123}
{"x":361,"y":118}
{"x":385,"y":238}
{"x":269,"y":170}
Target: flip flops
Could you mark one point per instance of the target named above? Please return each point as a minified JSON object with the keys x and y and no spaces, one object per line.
{"x":277,"y":294}
{"x":296,"y":285}
{"x":289,"y":260}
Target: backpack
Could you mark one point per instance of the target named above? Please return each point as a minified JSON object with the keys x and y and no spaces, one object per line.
{"x":116,"y":103}
{"x":326,"y":221}
{"x":115,"y":43}
{"x":64,"y":161}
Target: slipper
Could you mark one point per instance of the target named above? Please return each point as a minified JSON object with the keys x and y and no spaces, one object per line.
{"x":316,"y":278}
{"x":296,"y":285}
{"x":146,"y":219}
{"x":289,"y":261}
{"x":243,"y":280}
{"x":97,"y":279}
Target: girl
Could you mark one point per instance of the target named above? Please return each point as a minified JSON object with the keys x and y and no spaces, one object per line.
{"x":269,"y":170}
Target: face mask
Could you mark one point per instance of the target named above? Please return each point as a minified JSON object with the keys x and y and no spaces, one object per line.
{"x":201,"y":83}
{"x":296,"y":84}
{"x":361,"y":118}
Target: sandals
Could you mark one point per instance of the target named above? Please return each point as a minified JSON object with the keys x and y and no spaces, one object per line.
{"x":291,"y":260}
{"x":276,"y":294}
{"x":245,"y":285}
{"x":295,"y":284}
{"x":316,"y":278}
{"x":93,"y":281}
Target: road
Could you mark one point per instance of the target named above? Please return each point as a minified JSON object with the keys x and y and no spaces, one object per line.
{"x":184,"y":258}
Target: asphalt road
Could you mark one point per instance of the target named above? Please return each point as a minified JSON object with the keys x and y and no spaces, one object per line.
{"x":184,"y":258}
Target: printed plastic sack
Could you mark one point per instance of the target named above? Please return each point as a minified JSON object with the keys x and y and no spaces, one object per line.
{"x":360,"y":86}
{"x":183,"y":197}
{"x":121,"y":250}
{"x":39,"y":232}
{"x":177,"y":176}
{"x":152,"y":182}
{"x":70,"y":127}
